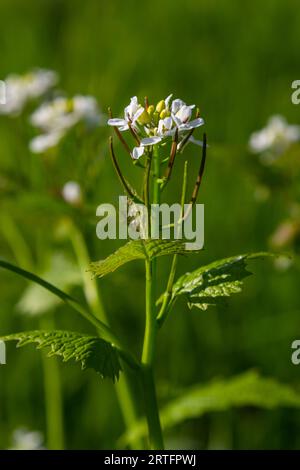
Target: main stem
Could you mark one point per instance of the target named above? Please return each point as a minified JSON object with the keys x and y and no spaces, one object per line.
{"x":151,"y":406}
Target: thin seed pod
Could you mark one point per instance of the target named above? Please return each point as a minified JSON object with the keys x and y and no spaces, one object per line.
{"x":146,"y":103}
{"x":123,"y":181}
{"x":119,"y":135}
{"x":185,"y":140}
{"x":198,"y":180}
{"x":173,"y":152}
{"x":134,"y":134}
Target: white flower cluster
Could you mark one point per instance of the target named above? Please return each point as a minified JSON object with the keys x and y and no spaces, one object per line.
{"x":155,"y":124}
{"x":21,"y":89}
{"x":27,"y":440}
{"x":274,"y":139}
{"x":56,"y":117}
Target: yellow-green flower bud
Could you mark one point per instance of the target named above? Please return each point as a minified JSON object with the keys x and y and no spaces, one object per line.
{"x":150,"y":110}
{"x":156,"y":117}
{"x":165,"y":113}
{"x":144,"y":118}
{"x":160,"y":106}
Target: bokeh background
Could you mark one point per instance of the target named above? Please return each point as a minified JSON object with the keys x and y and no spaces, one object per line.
{"x":237,"y":61}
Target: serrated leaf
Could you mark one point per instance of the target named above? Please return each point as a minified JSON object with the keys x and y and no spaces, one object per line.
{"x":91,"y":351}
{"x":212,"y":284}
{"x":139,"y":249}
{"x":248,"y":389}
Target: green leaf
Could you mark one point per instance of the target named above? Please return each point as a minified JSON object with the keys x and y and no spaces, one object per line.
{"x":139,"y":249}
{"x":212,"y":284}
{"x":248,"y":389}
{"x":90,"y":351}
{"x":35,"y":300}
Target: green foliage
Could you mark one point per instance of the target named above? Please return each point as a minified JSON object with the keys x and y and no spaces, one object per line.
{"x":139,"y":249}
{"x":90,"y":351}
{"x":211,"y":284}
{"x":61,"y":270}
{"x":247,"y":389}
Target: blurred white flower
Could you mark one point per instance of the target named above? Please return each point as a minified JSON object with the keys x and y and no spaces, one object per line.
{"x":56,"y":117}
{"x":60,"y":270}
{"x":20,"y":89}
{"x":43,"y":142}
{"x":71,"y":193}
{"x":27,"y":440}
{"x":274,"y":139}
{"x":154,"y":125}
{"x":283,"y":263}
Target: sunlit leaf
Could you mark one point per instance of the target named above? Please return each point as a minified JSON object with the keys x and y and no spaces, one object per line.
{"x":212,"y":284}
{"x":139,"y":249}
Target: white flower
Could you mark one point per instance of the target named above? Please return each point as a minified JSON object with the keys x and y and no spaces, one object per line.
{"x":131,"y":114}
{"x":274,"y":139}
{"x":27,"y":440}
{"x":20,"y":89}
{"x":56,"y":117}
{"x":155,"y":125}
{"x":71,"y":193}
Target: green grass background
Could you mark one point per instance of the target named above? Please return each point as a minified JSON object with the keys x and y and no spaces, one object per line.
{"x":236,"y":60}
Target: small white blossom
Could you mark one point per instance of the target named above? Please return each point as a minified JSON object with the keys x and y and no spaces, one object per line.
{"x":274,"y":139}
{"x":20,"y":89}
{"x":55,"y":118}
{"x":71,"y":193}
{"x":27,"y":440}
{"x":131,"y":114}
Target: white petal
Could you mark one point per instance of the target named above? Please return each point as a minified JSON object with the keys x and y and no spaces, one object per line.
{"x":184,"y":113}
{"x":167,"y":101}
{"x":150,"y":141}
{"x":176,"y":120}
{"x":195,"y":123}
{"x":137,"y":152}
{"x":176,"y":105}
{"x":138,"y":113}
{"x":117,"y":122}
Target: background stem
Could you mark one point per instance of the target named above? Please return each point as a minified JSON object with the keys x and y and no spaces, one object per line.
{"x":51,"y":374}
{"x":53,"y":393}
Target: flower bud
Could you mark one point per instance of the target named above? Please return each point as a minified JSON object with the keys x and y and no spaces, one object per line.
{"x":160,"y":106}
{"x":144,"y":118}
{"x":150,"y":110}
{"x":156,"y":117}
{"x":165,"y":113}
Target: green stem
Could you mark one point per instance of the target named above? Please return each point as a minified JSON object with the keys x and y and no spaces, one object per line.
{"x":149,"y":346}
{"x":165,"y":308}
{"x":124,"y":392}
{"x":53,"y":394}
